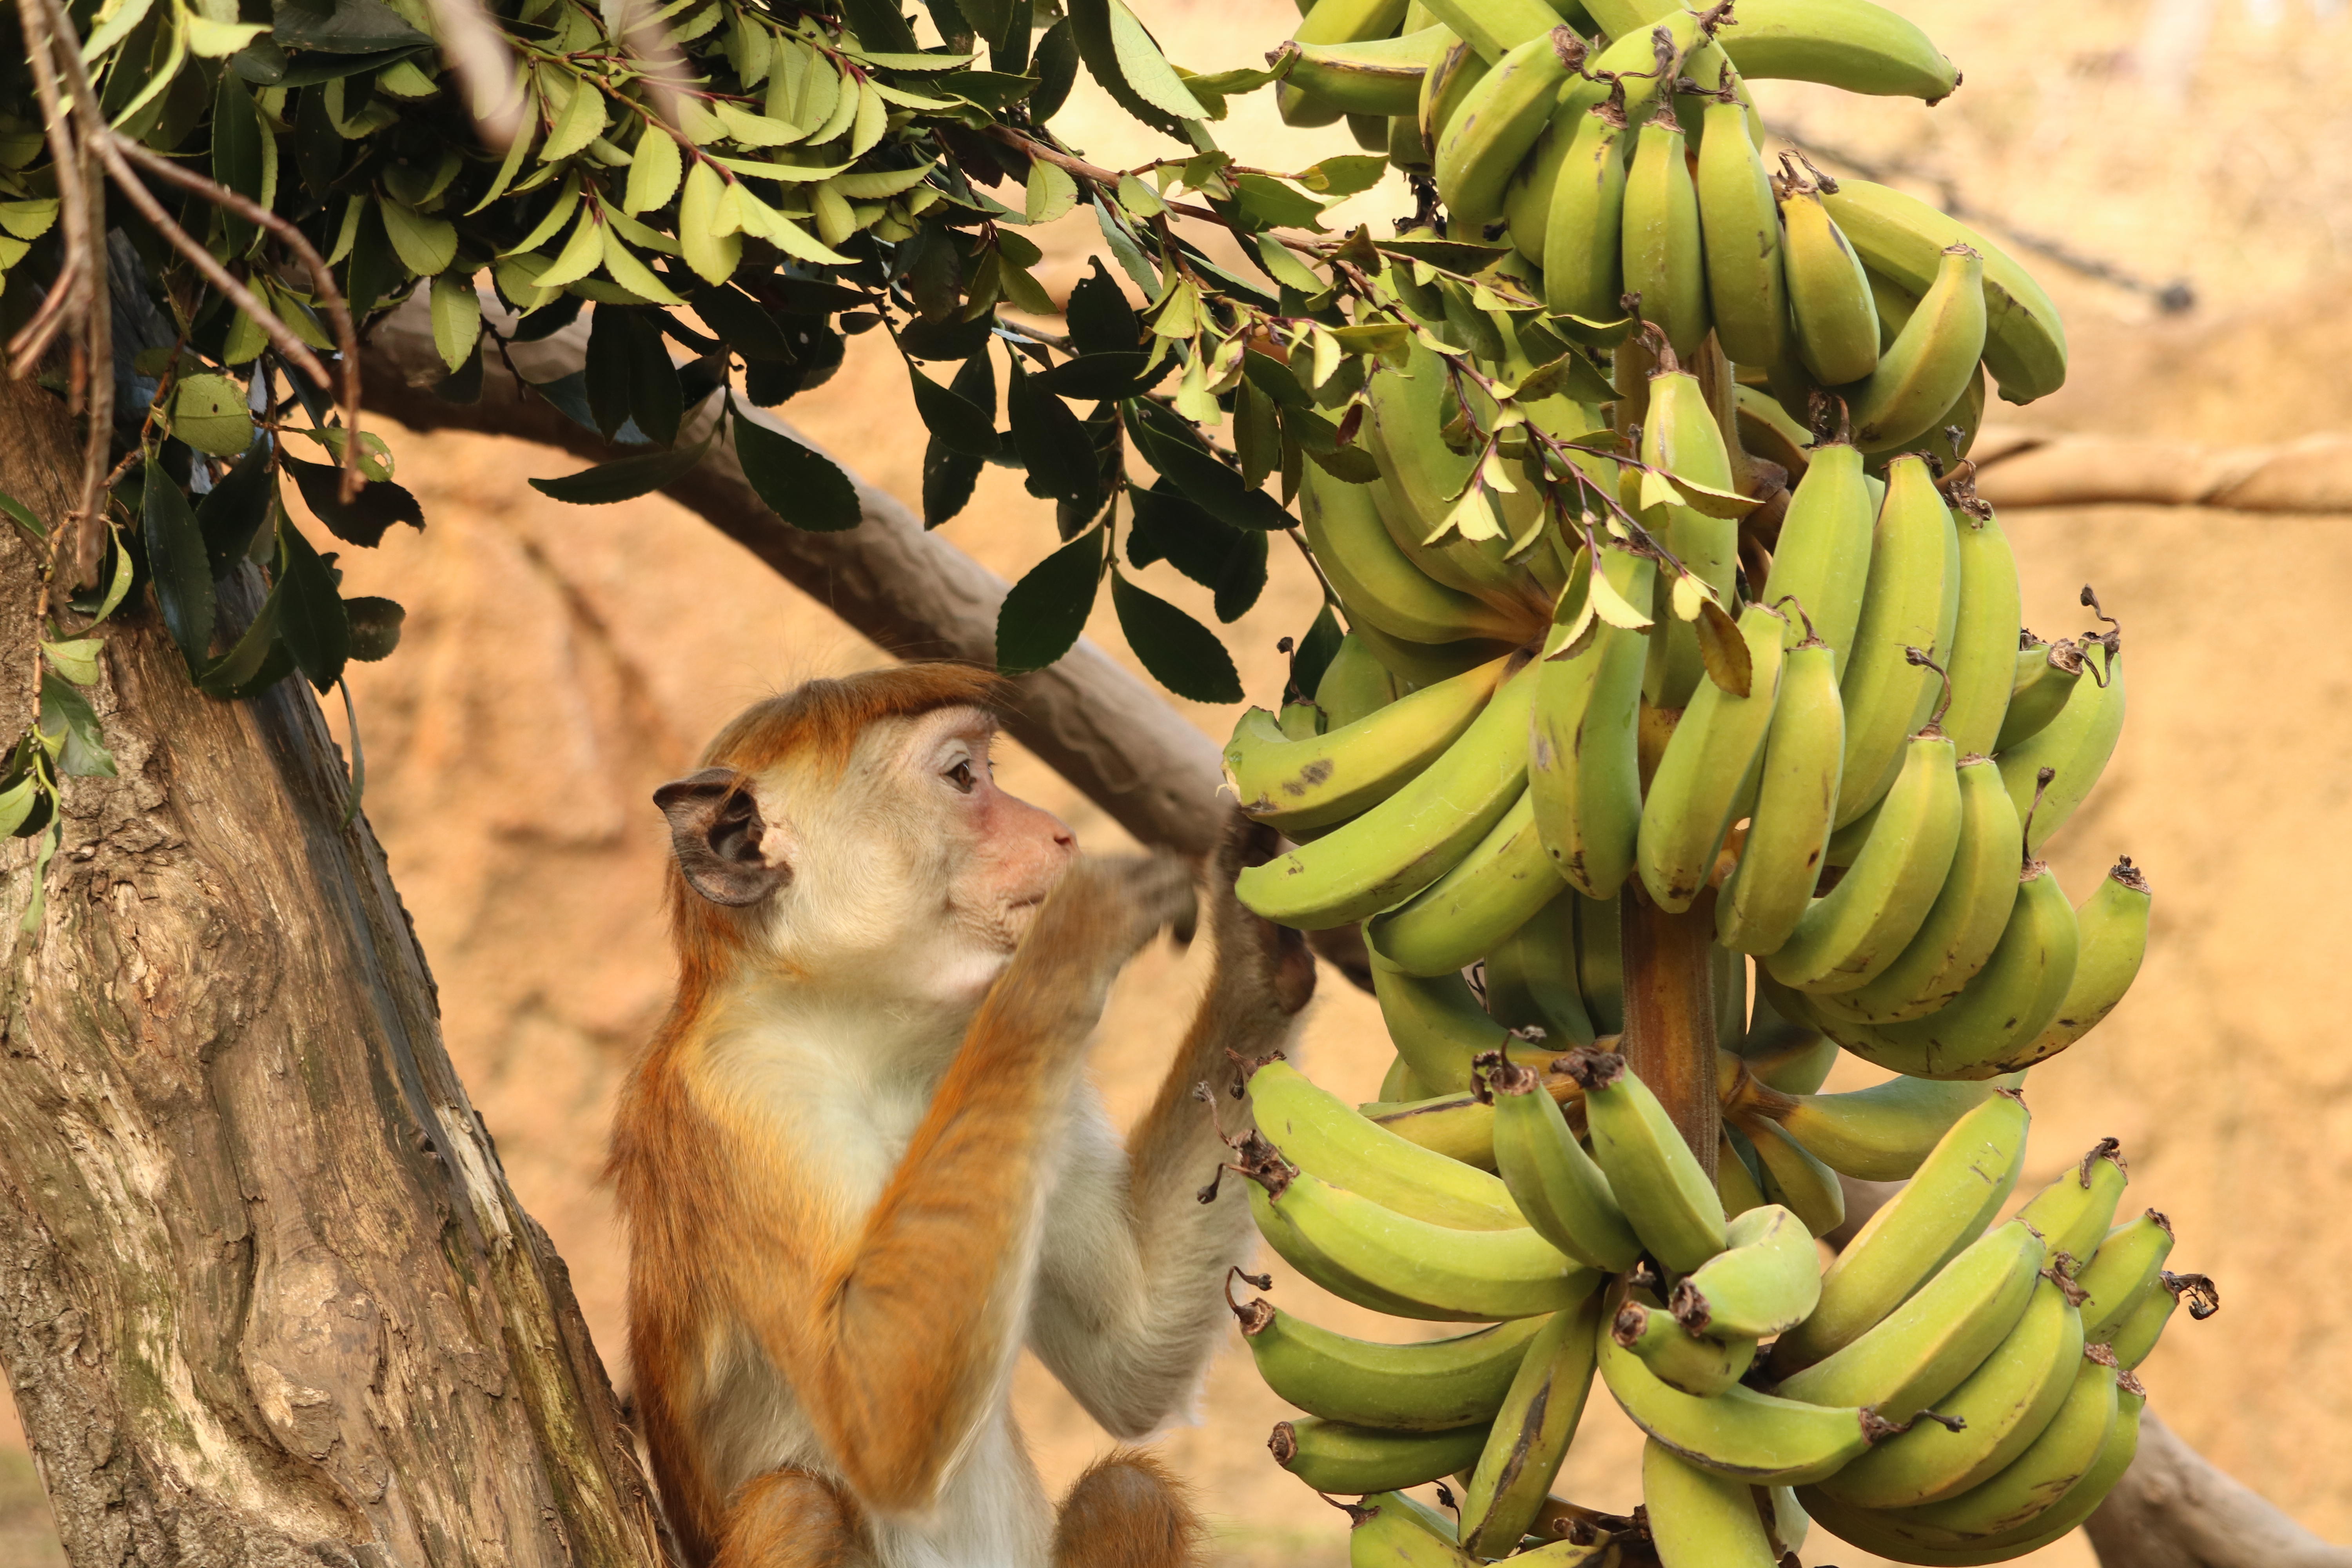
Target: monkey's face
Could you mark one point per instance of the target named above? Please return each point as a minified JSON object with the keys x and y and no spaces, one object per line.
{"x":1003,"y":854}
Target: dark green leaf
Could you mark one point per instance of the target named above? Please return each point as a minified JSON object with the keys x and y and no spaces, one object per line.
{"x":801,"y":486}
{"x":741,"y":324}
{"x":1257,"y":434}
{"x":989,"y":18}
{"x":1344,"y":176}
{"x":1168,"y":445}
{"x":311,"y":614}
{"x":569,"y":395}
{"x":1056,"y":69}
{"x":656,"y":401}
{"x":68,"y":715}
{"x":976,"y":382}
{"x":612,"y":354}
{"x":236,"y":154}
{"x":176,"y":559}
{"x":375,"y":626}
{"x":878,"y":25}
{"x":949,"y":477}
{"x":1008,"y":47}
{"x":945,"y":340}
{"x":1169,"y":526}
{"x":1451,"y":255}
{"x":345,"y":27}
{"x":952,"y":421}
{"x":260,"y":62}
{"x":1242,"y":578}
{"x":1100,"y":378}
{"x":1052,"y":442}
{"x":1101,"y":320}
{"x":374,"y":268}
{"x":1046,"y":610}
{"x":1181,"y":653}
{"x":379,"y":505}
{"x":236,"y":507}
{"x":313,"y":70}
{"x":1316,"y":651}
{"x":549,"y":319}
{"x":1570,"y":375}
{"x":623,"y":478}
{"x":255,"y":661}
{"x":1269,"y":203}
{"x":1276,"y":379}
{"x":993,"y":90}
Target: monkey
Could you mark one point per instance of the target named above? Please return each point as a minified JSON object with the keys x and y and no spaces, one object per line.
{"x":859,"y":1164}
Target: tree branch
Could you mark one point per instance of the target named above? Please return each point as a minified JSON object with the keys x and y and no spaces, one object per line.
{"x":2018,"y":469}
{"x":2174,"y":1510}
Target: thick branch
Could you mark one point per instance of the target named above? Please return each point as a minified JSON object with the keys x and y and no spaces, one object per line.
{"x":2173,"y":1510}
{"x":1112,"y":736}
{"x":2018,"y":469}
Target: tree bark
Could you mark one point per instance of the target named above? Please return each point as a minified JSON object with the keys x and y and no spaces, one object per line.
{"x":265,"y":1295}
{"x":2173,"y":1510}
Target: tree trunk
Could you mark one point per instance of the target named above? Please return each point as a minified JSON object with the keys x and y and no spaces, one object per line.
{"x":265,"y":1295}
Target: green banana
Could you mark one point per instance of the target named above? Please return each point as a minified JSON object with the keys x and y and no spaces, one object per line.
{"x":1766,"y":1280}
{"x":1433,"y":1386}
{"x":1317,"y":1131}
{"x":1740,"y":225}
{"x":1965,"y":923}
{"x":1769,"y":431}
{"x":1370,"y":76}
{"x":1661,"y":248}
{"x":1830,"y":303}
{"x":2143,"y":1325}
{"x":2075,"y":746}
{"x":1796,"y":796}
{"x":1582,"y":246}
{"x":1411,"y":838}
{"x":1329,"y":778}
{"x":1759,"y":1438}
{"x":1421,"y":477}
{"x":2001,"y":1408}
{"x":1531,"y":978}
{"x":1696,"y":792}
{"x":1426,"y":664}
{"x":2124,"y":1269}
{"x":1601,"y":962}
{"x":1928,"y":1345}
{"x":1334,"y":21}
{"x":1531,"y":1432}
{"x":1583,"y":766}
{"x":1686,"y":485}
{"x":1504,"y":881}
{"x":2060,"y":1455}
{"x":1642,"y":63}
{"x":1983,"y":665}
{"x":1334,"y":1456}
{"x":1905,"y":238}
{"x":1379,"y":581}
{"x":1497,"y":123}
{"x":1849,"y":44}
{"x":1495,"y":27}
{"x":1998,"y":1013}
{"x":2045,"y":677}
{"x":1526,"y":200}
{"x":1853,"y":933}
{"x":1953,"y":1197}
{"x":1738,"y":1177}
{"x":1913,"y":601}
{"x":2071,"y":1213}
{"x":1882,"y":1133}
{"x":1824,"y":558}
{"x":1458,"y":1126}
{"x":1928,"y":366}
{"x":1397,"y":1263}
{"x":1795,"y":1179}
{"x":1354,"y":685}
{"x":1659,"y":1183}
{"x":1700,"y":1520}
{"x":1390,"y":1529}
{"x":1553,"y":1182}
{"x":2112,"y":928}
{"x":1435,"y":1024}
{"x":1792,"y":1057}
{"x":1680,"y":1359}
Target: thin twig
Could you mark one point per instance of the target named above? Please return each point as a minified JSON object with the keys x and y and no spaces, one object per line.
{"x":322,"y":280}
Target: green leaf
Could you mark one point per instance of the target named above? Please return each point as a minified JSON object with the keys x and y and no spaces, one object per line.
{"x":1056,"y":69}
{"x":1316,"y":651}
{"x":1098,"y":37}
{"x":1242,"y":578}
{"x":17,"y":802}
{"x":713,"y":256}
{"x":653,"y":173}
{"x":1098,"y":377}
{"x":237,"y":156}
{"x":456,"y":318}
{"x":581,"y":122}
{"x":176,"y":559}
{"x":425,"y":246}
{"x":1568,"y":376}
{"x":1169,"y":526}
{"x":1051,"y":191}
{"x":375,"y":626}
{"x":878,"y":25}
{"x":746,"y":129}
{"x":255,"y":661}
{"x":1344,"y":176}
{"x":630,"y":273}
{"x":1449,"y":255}
{"x":800,"y":485}
{"x":1052,"y":442}
{"x":741,"y":324}
{"x":1181,"y":653}
{"x":623,"y":479}
{"x":233,"y":510}
{"x":1126,"y":252}
{"x":1140,"y":199}
{"x":1100,"y":319}
{"x":363,"y":520}
{"x":77,"y":660}
{"x":1284,"y":268}
{"x":22,"y":516}
{"x":1045,"y":612}
{"x":949,"y":477}
{"x":1269,"y":203}
{"x":208,"y":412}
{"x":955,"y":423}
{"x":66,"y":715}
{"x":1147,"y":71}
{"x":1173,"y":449}
{"x":311,"y":614}
{"x":345,"y":27}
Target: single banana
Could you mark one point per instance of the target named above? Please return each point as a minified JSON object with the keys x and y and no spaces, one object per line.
{"x":1738,"y":1176}
{"x":1583,"y":767}
{"x":2143,"y":1325}
{"x":1851,"y":934}
{"x":1680,"y":1359}
{"x":1927,"y":1346}
{"x":1531,"y":978}
{"x":1824,"y":558}
{"x":1334,"y":1456}
{"x":1696,"y":792}
{"x":1531,"y":1432}
{"x":2045,"y":677}
{"x":1504,"y":881}
{"x":1497,"y":123}
{"x":1953,"y":1195}
{"x":2001,"y":1409}
{"x":1699,"y":1520}
{"x":1661,"y":248}
{"x":1765,"y":1282}
{"x":1354,"y":685}
{"x":1740,"y":223}
{"x":1882,"y":1133}
{"x":2017,"y":993}
{"x":1642,"y":63}
{"x":1411,"y":838}
{"x":1795,"y":1179}
{"x":1849,"y":44}
{"x":1434,"y":1386}
{"x":2073,"y":1213}
{"x":1905,"y":238}
{"x":1796,"y":797}
{"x":1390,"y":1530}
{"x":1495,"y":27}
{"x":1582,"y":247}
{"x":1687,"y":481}
{"x":1913,"y":601}
{"x":1794,"y":1059}
{"x":1928,"y":366}
{"x":1329,"y":778}
{"x":1554,"y":1183}
{"x":2075,"y":746}
{"x":1440,"y":94}
{"x":1829,"y":296}
{"x":1659,"y":1183}
{"x":1965,"y":923}
{"x":1769,"y":431}
{"x":2112,"y":924}
{"x":1317,"y":1131}
{"x":1526,"y":200}
{"x":1334,"y":21}
{"x":1435,"y":1024}
{"x":2124,"y":1268}
{"x":1371,"y":76}
{"x":1601,"y":962}
{"x":1458,"y":1126}
{"x":1983,"y":666}
{"x":1742,"y":1433}
{"x":1426,"y":664}
{"x":1379,"y":581}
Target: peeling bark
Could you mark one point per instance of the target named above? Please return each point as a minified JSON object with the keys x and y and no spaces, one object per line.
{"x":265,"y":1295}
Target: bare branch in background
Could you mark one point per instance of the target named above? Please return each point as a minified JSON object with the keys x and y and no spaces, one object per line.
{"x":2174,"y":1510}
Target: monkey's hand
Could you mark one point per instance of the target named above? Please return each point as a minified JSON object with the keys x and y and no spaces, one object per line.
{"x":1256,"y":958}
{"x":1098,"y":916}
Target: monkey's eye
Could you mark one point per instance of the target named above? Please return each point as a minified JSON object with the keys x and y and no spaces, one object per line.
{"x":961,"y":776}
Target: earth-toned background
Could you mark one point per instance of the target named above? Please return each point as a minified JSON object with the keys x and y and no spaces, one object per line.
{"x":560,"y":662}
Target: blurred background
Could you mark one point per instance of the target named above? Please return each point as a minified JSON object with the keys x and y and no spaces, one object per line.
{"x":561,"y":661}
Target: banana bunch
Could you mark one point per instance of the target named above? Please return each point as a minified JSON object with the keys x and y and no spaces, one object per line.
{"x":1950,"y":1389}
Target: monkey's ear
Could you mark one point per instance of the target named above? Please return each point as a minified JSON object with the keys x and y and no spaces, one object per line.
{"x":716,"y":828}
